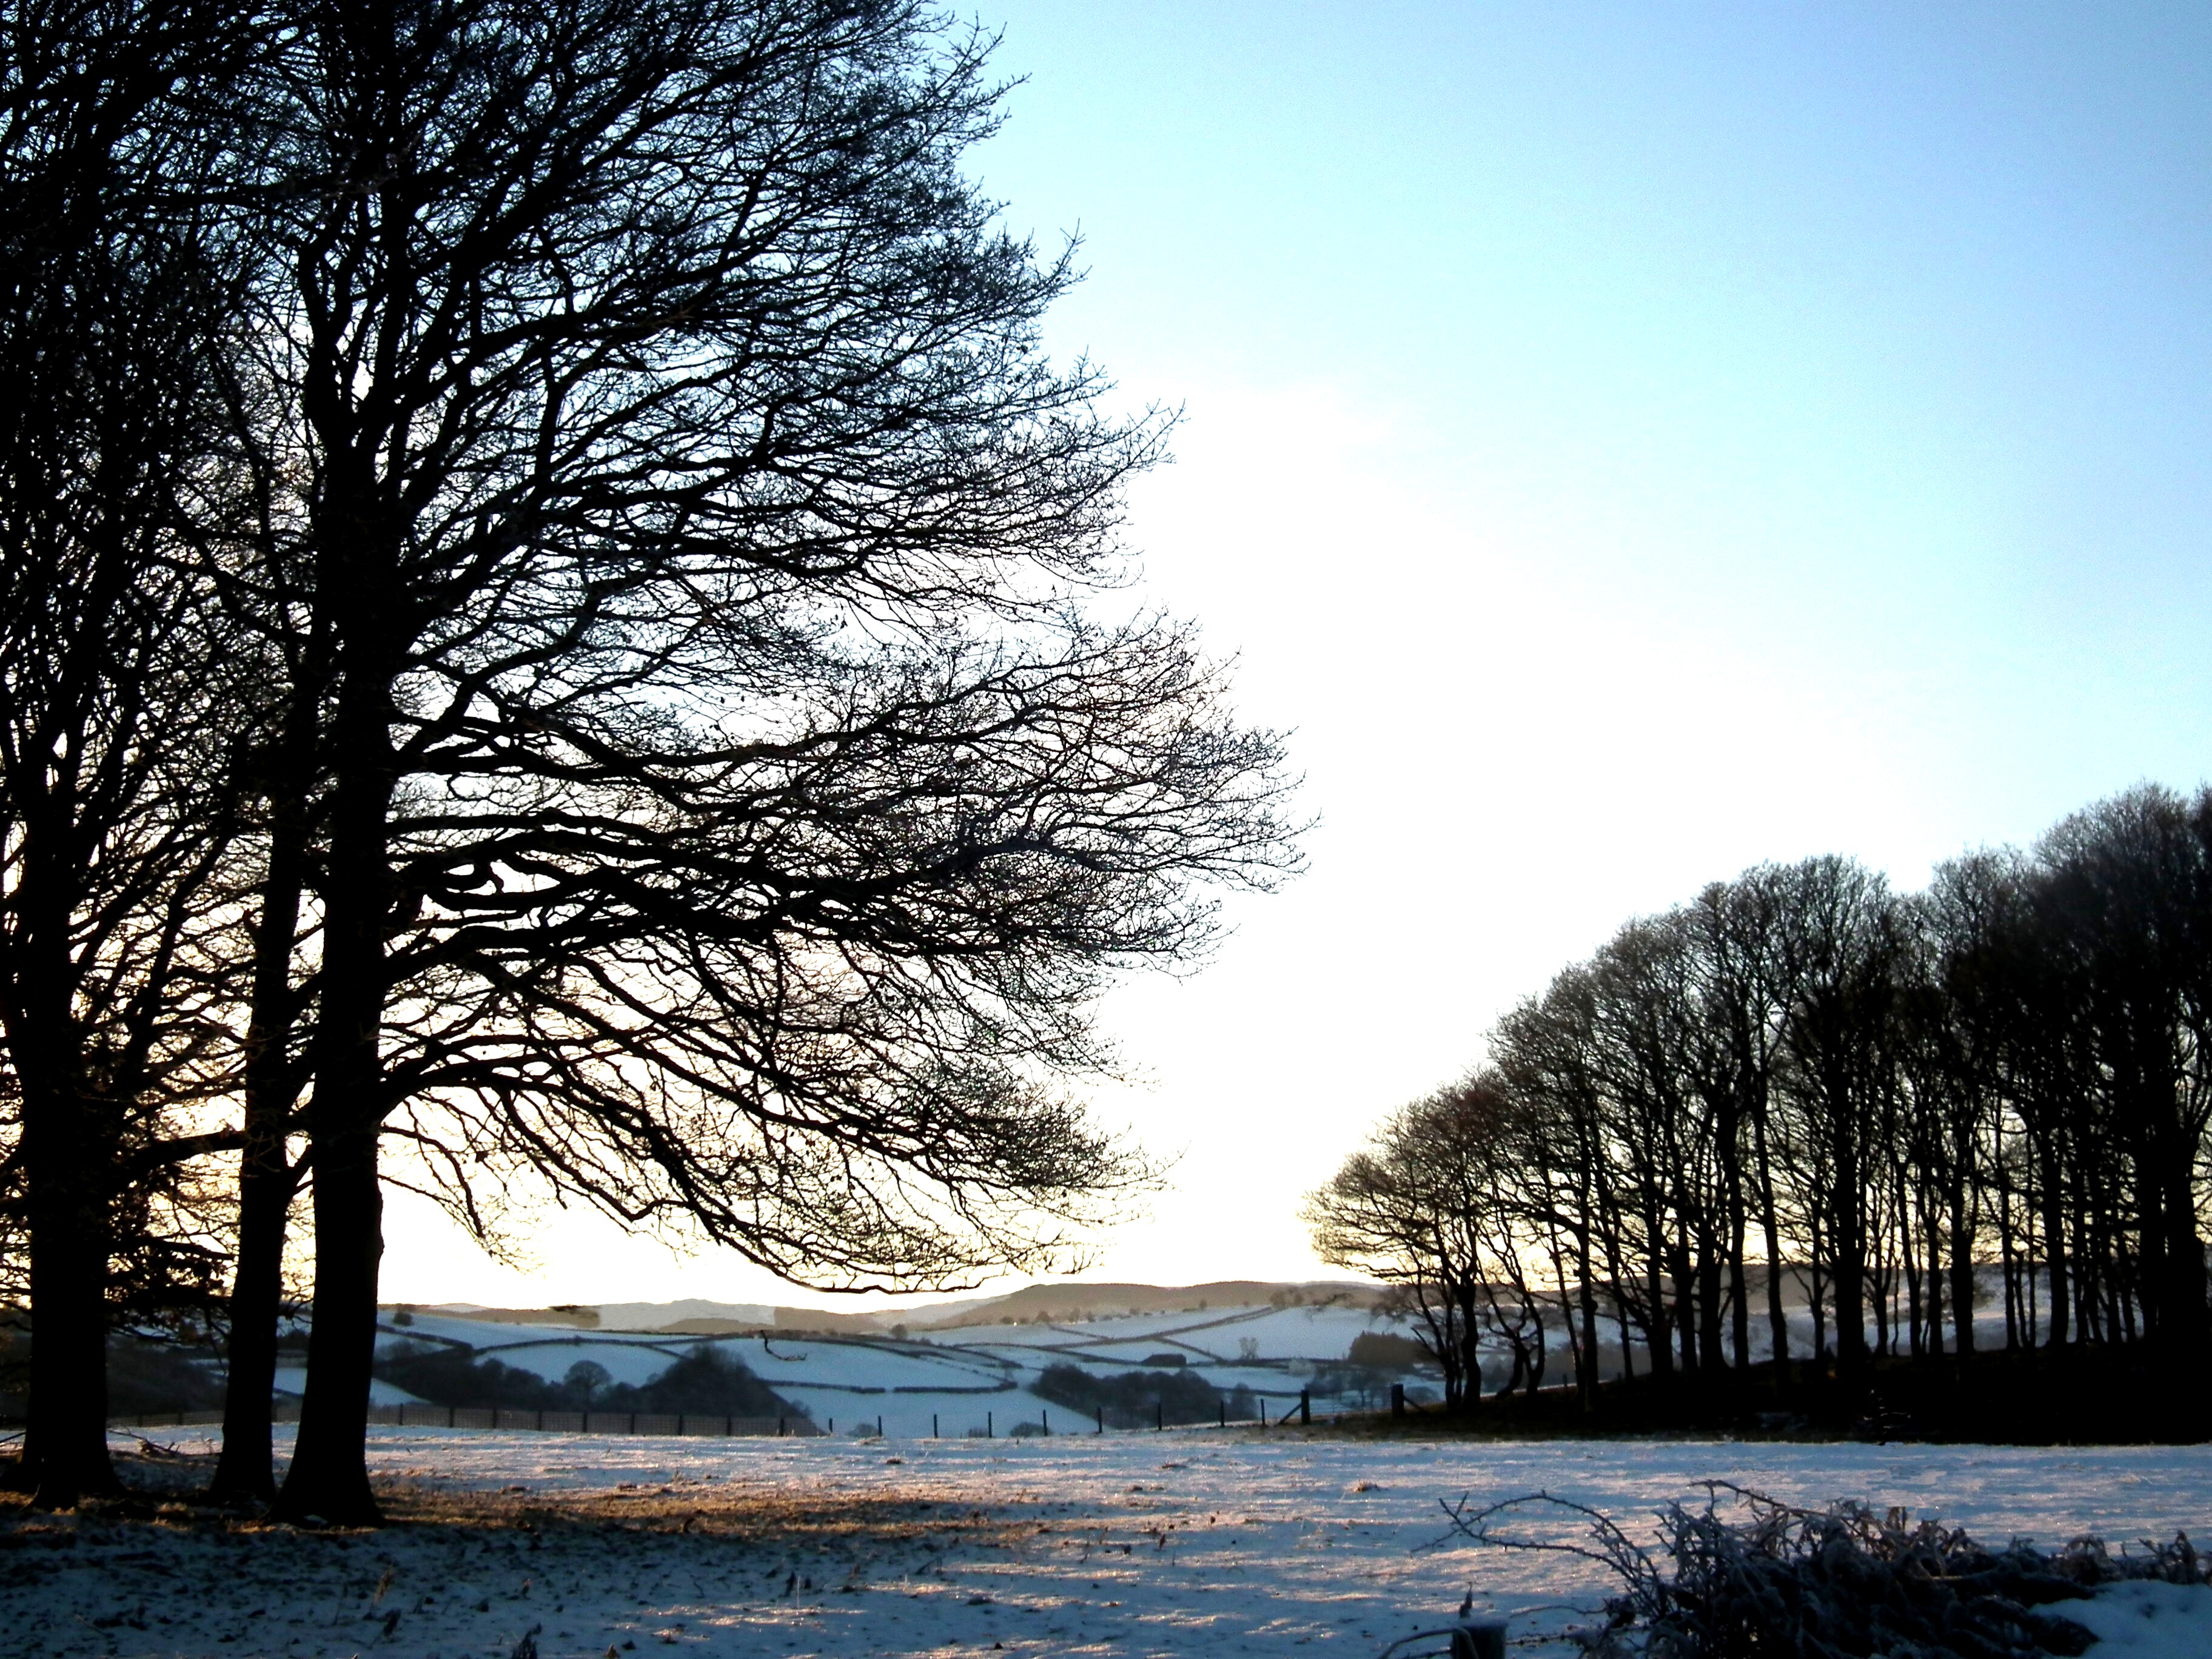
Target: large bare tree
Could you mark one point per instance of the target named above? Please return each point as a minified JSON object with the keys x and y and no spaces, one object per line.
{"x":126,"y":704}
{"x":724,"y":790}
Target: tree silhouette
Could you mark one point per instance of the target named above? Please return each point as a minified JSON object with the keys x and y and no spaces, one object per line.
{"x":724,"y":796}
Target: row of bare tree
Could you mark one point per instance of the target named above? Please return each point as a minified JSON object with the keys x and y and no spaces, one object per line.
{"x":551,"y":628}
{"x":1802,"y":1091}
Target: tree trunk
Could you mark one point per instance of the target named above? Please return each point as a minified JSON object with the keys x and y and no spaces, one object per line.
{"x":2054,"y":1247}
{"x":328,"y":1476}
{"x":1739,"y":1294}
{"x":1769,"y":1229}
{"x":266,"y":1183}
{"x":1710,"y":1297}
{"x":1470,"y":1350}
{"x":266,"y":1179}
{"x":1848,"y":1235}
{"x":1933,"y":1214}
{"x":1592,"y":1376}
{"x":65,"y":1444}
{"x":2184,"y":1317}
{"x":1962,"y":1271}
{"x":1659,"y":1331}
{"x":68,"y":1155}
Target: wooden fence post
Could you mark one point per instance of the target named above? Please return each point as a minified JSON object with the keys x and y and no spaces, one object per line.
{"x":1305,"y":1408}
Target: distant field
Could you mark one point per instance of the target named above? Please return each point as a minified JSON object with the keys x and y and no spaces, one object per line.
{"x":976,"y":1379}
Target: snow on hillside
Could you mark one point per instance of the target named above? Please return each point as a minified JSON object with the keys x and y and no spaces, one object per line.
{"x":654,"y":1315}
{"x":973,"y":1380}
{"x":1218,"y":1334}
{"x":293,"y":1380}
{"x":978,"y":1376}
{"x":1192,"y":1543}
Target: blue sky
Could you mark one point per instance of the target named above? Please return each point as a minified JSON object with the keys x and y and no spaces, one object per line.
{"x":1623,"y":444}
{"x":1904,"y":311}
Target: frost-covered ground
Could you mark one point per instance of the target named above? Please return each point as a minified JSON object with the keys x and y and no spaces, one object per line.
{"x":1183,"y":1543}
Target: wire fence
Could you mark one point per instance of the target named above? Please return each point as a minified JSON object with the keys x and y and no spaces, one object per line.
{"x":423,"y":1416}
{"x":1297,"y":1408}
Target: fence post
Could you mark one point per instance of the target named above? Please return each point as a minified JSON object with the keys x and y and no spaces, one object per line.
{"x":990,"y":1428}
{"x":779,"y":1428}
{"x":1397,"y":1399}
{"x":729,"y":1427}
{"x":1102,"y":1419}
{"x":1263,"y":1411}
{"x":1159,"y":1415}
{"x":541,"y":1419}
{"x":932,"y":1425}
{"x":451,"y":1419}
{"x":1305,"y":1408}
{"x":1224,"y":1404}
{"x":1047,"y":1418}
{"x":633,"y":1422}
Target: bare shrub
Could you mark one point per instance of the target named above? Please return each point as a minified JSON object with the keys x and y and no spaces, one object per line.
{"x":1840,"y":1584}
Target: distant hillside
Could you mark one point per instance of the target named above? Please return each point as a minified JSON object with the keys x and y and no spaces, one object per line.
{"x":689,"y":1317}
{"x":1066,"y":1302}
{"x":583,"y":1319}
{"x":660,"y":1316}
{"x":694,"y":1317}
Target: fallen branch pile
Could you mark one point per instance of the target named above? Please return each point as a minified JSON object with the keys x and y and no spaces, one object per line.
{"x":1781,"y":1583}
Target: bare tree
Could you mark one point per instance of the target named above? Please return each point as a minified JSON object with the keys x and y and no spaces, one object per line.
{"x":1543,"y":1058}
{"x":123,"y":699}
{"x":725,"y":802}
{"x":1420,"y":1209}
{"x":2123,"y":894}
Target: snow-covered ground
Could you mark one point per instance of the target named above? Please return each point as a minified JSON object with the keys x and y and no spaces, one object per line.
{"x":1184,"y":1543}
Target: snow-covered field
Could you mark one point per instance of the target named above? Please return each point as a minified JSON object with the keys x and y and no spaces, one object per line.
{"x":971,"y":1380}
{"x":1182,"y":1543}
{"x":973,"y":1377}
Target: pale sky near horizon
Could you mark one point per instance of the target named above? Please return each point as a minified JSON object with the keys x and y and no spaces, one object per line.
{"x":1621,"y":444}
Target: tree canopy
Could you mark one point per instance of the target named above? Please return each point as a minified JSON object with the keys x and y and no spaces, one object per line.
{"x":690,"y":746}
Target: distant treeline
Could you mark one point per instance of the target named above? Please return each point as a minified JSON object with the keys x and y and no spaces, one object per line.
{"x":2008,"y":1072}
{"x":1138,"y":1399}
{"x":705,"y":1381}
